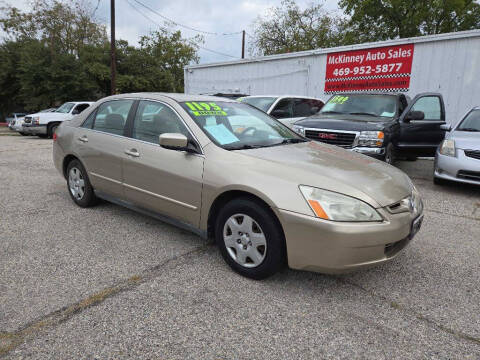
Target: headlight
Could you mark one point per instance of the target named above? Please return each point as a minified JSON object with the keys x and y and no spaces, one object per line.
{"x":447,"y":148}
{"x":371,"y":138}
{"x":333,"y":206}
{"x":299,"y":129}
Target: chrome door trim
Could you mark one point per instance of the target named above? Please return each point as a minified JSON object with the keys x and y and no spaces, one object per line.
{"x":105,"y":178}
{"x":188,"y":206}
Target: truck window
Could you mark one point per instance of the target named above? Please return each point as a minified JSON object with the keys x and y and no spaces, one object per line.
{"x":430,"y":105}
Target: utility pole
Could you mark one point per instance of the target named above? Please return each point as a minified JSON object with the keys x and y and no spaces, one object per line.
{"x":243,"y":44}
{"x":113,"y":67}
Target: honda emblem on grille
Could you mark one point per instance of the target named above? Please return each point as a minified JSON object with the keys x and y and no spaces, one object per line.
{"x":327,"y":136}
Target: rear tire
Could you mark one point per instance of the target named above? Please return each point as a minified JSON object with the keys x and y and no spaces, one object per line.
{"x":78,"y":185}
{"x":250,"y":238}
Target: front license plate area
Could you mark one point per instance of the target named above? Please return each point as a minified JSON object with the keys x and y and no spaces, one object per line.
{"x":416,"y":225}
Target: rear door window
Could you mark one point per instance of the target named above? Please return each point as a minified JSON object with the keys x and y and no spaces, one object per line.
{"x":111,"y":116}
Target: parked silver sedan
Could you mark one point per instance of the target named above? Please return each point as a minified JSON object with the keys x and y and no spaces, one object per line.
{"x":458,"y":156}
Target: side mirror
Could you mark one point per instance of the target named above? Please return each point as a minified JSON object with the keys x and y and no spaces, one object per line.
{"x":173,"y":141}
{"x":414,"y":115}
{"x":446,"y":127}
{"x":279,"y":114}
{"x":75,"y":112}
{"x":314,"y":110}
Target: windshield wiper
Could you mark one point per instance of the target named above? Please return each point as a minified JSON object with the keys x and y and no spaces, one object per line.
{"x":289,"y":141}
{"x":242,"y":147}
{"x":331,"y":112}
{"x":362,"y":113}
{"x":470,"y":129}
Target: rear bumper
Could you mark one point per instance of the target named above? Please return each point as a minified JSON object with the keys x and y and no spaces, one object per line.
{"x":334,"y":247}
{"x":451,"y":168}
{"x":32,"y":129}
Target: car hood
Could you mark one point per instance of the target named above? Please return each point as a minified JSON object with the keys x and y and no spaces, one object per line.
{"x":52,"y":116}
{"x":466,"y":140}
{"x":335,"y":169}
{"x":343,"y":122}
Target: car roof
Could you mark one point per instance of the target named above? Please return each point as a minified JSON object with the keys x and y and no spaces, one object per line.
{"x":178,"y":97}
{"x":285,"y":96}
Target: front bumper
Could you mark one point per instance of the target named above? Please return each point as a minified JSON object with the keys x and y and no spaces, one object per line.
{"x":378,"y":153}
{"x":33,"y":129}
{"x":331,"y":247}
{"x":451,"y":168}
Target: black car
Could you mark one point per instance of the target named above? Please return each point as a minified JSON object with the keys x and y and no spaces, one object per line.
{"x":384,"y":125}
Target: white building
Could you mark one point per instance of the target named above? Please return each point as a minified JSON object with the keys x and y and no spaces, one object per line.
{"x":445,"y":63}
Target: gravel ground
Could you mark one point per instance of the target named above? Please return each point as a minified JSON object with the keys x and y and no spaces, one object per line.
{"x":108,"y":283}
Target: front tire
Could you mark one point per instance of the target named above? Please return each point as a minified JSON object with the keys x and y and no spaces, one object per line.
{"x":51,"y":130}
{"x":78,"y":185}
{"x":389,"y":154}
{"x":250,"y":238}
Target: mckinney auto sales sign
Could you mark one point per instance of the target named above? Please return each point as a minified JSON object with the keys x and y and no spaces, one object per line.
{"x":379,"y":69}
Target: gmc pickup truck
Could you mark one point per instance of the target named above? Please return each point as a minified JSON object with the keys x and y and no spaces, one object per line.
{"x":382,"y":125}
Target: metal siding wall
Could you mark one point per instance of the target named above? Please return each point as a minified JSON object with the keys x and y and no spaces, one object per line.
{"x":451,"y":67}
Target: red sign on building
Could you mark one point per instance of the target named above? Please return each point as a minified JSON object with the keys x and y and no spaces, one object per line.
{"x":383,"y":69}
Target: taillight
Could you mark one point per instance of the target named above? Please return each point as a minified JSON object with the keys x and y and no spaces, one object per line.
{"x":54,"y":137}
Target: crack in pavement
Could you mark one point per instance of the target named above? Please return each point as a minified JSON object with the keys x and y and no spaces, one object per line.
{"x":11,"y":340}
{"x":455,"y":215}
{"x":410,"y":311}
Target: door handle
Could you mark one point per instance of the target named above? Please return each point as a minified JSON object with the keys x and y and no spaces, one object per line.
{"x":132,"y":152}
{"x":83,"y":138}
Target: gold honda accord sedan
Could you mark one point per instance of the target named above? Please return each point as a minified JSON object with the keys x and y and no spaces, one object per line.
{"x":226,"y":170}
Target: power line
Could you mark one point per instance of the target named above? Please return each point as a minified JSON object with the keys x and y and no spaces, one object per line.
{"x":156,"y":23}
{"x":185,"y":26}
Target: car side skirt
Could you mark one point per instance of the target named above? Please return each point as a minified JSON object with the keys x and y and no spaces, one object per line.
{"x":155,"y":215}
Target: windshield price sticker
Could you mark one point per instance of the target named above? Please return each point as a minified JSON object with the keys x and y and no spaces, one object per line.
{"x":338,"y":99}
{"x":205,"y":109}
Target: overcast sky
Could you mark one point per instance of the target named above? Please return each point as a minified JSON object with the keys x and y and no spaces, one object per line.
{"x":218,"y":16}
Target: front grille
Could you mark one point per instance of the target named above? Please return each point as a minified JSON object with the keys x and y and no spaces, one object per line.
{"x":473,"y":154}
{"x":338,"y":138}
{"x":469,"y":175}
{"x":28,"y":119}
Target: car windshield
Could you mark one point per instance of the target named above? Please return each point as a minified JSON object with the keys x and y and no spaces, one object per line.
{"x":471,"y":122}
{"x":235,"y":126}
{"x":374,"y":106}
{"x":65,"y":108}
{"x":262,"y":103}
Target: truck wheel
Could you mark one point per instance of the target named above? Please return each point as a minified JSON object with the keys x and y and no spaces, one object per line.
{"x":389,"y":154}
{"x":51,"y":129}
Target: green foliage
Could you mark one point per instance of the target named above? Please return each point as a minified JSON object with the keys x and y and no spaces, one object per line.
{"x":59,"y":52}
{"x":373,"y":20}
{"x":287,"y":28}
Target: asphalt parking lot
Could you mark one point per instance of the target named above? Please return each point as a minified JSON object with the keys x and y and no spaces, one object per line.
{"x":109,"y":283}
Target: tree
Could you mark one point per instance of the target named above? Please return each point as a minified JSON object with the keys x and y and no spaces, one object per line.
{"x":287,"y":28}
{"x":373,"y":20}
{"x":59,"y":52}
